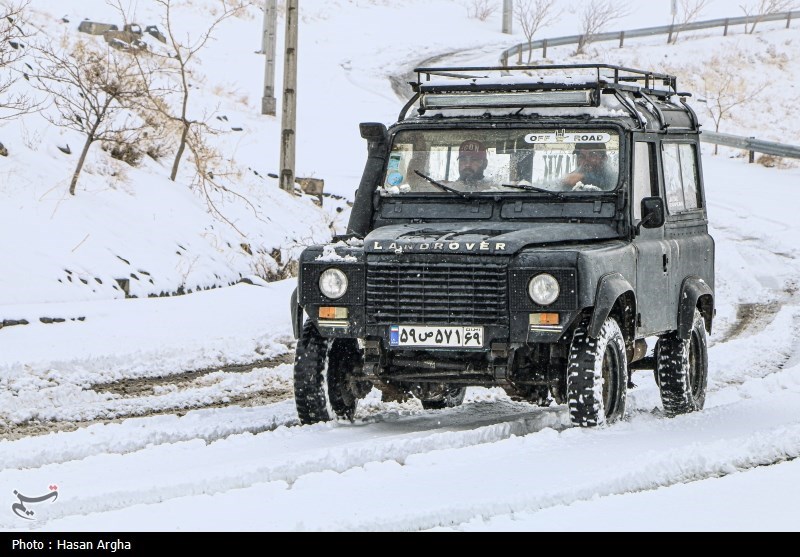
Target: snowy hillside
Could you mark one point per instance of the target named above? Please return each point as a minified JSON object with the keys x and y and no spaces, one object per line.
{"x":176,"y":414}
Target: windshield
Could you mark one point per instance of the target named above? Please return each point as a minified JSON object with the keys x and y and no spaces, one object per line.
{"x":481,"y":160}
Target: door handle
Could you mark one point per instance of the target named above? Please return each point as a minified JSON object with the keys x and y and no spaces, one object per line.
{"x":665,"y":259}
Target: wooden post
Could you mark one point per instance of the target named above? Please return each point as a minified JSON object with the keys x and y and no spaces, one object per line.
{"x":519,"y":57}
{"x":544,"y":48}
{"x":725,"y":34}
{"x":669,"y":37}
{"x":752,"y":155}
{"x":289,"y":112}
{"x":621,"y":39}
{"x":788,"y":20}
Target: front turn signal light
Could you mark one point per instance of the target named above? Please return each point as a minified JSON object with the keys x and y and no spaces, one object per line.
{"x":327,"y":312}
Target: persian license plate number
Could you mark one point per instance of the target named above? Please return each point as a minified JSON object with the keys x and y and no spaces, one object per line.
{"x":432,"y":336}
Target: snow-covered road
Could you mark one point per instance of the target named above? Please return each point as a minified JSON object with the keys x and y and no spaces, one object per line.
{"x":204,"y":460}
{"x":101,"y":408}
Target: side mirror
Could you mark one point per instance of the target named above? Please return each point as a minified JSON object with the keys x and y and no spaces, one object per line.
{"x":653,"y":214}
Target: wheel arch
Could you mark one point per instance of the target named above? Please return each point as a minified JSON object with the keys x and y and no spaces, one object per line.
{"x":297,"y":315}
{"x":695,"y":294}
{"x":615,"y":297}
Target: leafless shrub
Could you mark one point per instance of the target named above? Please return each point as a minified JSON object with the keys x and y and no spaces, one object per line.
{"x":272,"y":267}
{"x":596,"y":15}
{"x":171,"y":68}
{"x":481,"y":9}
{"x":722,"y":90}
{"x":758,"y":9}
{"x":532,"y":15}
{"x":771,"y":161}
{"x":688,"y":11}
{"x":93,"y":91}
{"x":128,"y":153}
{"x":13,"y":44}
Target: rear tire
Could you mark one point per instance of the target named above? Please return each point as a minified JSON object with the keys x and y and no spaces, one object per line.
{"x":323,"y":372}
{"x":597,"y":375}
{"x":682,"y":369}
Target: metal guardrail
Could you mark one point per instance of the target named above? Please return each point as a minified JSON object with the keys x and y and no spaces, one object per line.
{"x":752,"y":144}
{"x":669,"y":30}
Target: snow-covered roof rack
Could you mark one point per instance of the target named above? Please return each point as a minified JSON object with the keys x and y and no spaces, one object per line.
{"x":575,"y":85}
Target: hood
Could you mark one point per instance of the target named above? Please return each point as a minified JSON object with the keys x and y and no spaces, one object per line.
{"x":480,"y":237}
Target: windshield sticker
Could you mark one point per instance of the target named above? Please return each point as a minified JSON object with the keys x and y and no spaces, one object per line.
{"x":560,"y":137}
{"x":394,"y":162}
{"x":394,"y":179}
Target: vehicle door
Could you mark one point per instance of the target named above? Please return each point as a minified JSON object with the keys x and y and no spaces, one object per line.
{"x":656,"y":311}
{"x":686,"y":226}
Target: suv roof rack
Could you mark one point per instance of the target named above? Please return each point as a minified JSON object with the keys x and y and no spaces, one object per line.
{"x":554,"y":86}
{"x":616,"y":78}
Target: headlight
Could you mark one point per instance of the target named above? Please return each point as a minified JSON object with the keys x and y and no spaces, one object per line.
{"x":543,"y":289}
{"x":333,"y":283}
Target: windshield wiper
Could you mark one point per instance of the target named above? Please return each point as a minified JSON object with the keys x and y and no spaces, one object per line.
{"x":534,"y":188}
{"x":463,"y":194}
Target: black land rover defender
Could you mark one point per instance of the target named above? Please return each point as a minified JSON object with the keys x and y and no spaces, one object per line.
{"x":527,"y":231}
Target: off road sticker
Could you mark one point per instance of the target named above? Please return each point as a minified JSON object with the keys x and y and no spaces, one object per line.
{"x":583,"y":137}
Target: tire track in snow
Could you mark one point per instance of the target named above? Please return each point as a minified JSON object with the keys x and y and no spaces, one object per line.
{"x":752,"y":318}
{"x":724,"y":452}
{"x":69,"y":407}
{"x":689,"y":465}
{"x":337,"y":447}
{"x":147,"y":385}
{"x":538,"y":470}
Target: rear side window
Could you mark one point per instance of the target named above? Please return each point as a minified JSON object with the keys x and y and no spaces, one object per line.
{"x":689,"y":175}
{"x":642,"y":176}
{"x":680,"y":177}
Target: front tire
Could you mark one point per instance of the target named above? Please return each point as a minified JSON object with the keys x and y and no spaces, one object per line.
{"x":597,"y":375}
{"x":682,"y":369}
{"x":323,"y":373}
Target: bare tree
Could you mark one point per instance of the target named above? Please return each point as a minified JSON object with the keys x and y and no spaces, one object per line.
{"x":688,"y":11}
{"x":93,"y":91}
{"x":757,"y":10}
{"x":481,"y":9}
{"x":12,"y":47}
{"x":596,"y":15}
{"x":532,"y":15}
{"x":171,"y":66}
{"x":723,"y":90}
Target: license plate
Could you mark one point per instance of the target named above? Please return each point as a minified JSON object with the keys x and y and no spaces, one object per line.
{"x":433,"y":337}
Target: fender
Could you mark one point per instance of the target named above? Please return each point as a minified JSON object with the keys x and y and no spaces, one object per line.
{"x":692,"y":289}
{"x":609,"y":289}
{"x":297,"y":314}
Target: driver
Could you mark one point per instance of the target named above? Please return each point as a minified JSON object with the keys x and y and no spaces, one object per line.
{"x":472,"y":163}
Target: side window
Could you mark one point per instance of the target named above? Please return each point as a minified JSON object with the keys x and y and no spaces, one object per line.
{"x":689,"y":172}
{"x":642,"y":176}
{"x":673,"y":183}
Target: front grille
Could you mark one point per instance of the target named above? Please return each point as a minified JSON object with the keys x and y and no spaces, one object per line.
{"x":436,"y":293}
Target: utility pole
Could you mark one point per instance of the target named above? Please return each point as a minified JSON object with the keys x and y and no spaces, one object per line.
{"x":289,"y":112}
{"x":508,"y":16}
{"x":268,"y":49}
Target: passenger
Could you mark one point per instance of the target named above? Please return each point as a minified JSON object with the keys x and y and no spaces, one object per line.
{"x":591,"y":168}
